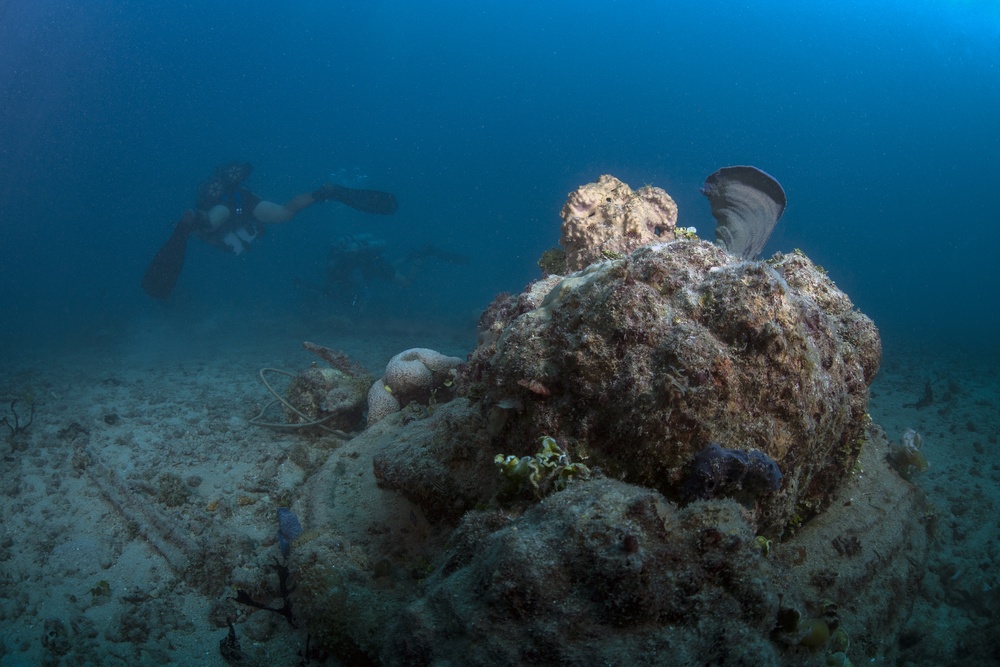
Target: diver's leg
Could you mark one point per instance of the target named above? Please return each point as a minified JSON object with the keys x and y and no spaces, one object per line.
{"x":270,"y":213}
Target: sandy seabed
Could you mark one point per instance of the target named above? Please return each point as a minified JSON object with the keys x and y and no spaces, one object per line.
{"x":140,"y":449}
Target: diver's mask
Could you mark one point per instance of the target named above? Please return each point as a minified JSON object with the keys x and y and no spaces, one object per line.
{"x":227,"y":179}
{"x":234,"y":173}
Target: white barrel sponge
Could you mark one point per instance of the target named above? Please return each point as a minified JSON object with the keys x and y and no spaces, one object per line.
{"x":412,"y":371}
{"x":411,"y":375}
{"x":380,"y":402}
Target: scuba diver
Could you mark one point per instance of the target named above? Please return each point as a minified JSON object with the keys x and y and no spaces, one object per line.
{"x":356,"y":261}
{"x":230,"y":216}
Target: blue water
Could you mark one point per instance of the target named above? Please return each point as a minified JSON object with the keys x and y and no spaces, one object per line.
{"x":880,"y":119}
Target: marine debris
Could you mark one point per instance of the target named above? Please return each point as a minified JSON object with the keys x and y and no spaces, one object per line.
{"x":158,"y":530}
{"x":331,"y":400}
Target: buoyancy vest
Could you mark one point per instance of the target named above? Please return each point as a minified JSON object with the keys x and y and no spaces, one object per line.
{"x":240,"y":228}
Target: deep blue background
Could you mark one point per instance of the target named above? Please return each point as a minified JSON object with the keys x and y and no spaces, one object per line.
{"x":880,"y":119}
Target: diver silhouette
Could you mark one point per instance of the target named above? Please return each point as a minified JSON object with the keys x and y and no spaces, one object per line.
{"x":230,"y":216}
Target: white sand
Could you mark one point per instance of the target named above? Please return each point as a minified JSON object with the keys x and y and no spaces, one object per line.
{"x":82,"y":503}
{"x":82,"y":500}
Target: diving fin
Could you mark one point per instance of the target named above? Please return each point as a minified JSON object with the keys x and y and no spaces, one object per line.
{"x":367,"y":201}
{"x":162,"y":273}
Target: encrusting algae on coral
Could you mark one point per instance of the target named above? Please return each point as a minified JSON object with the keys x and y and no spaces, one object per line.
{"x":550,"y":469}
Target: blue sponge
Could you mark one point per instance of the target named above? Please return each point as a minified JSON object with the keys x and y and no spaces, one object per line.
{"x":288,"y":529}
{"x":719,"y":472}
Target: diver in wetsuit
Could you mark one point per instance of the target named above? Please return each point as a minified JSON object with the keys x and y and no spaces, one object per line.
{"x":230,"y":216}
{"x":357,"y":261}
{"x":353,"y":264}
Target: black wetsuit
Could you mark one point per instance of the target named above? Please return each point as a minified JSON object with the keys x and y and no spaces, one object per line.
{"x":241,"y":204}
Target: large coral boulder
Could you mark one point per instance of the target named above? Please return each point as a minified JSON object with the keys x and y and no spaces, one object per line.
{"x":446,"y":468}
{"x":601,"y":573}
{"x":637,"y":364}
{"x":710,"y":405}
{"x":610,"y":573}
